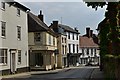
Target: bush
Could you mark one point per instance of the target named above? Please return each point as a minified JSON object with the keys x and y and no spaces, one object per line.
{"x":111,"y":67}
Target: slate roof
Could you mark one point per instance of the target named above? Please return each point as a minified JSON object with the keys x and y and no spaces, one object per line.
{"x":68,"y":28}
{"x":87,"y":42}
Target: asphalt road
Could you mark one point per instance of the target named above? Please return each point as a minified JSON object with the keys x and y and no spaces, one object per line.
{"x":78,"y":73}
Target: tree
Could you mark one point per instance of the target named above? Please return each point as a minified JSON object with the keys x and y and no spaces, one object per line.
{"x":110,"y":31}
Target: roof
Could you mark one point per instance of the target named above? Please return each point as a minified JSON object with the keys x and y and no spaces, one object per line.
{"x":68,"y":28}
{"x":87,"y":42}
{"x":35,"y":24}
{"x":18,"y":5}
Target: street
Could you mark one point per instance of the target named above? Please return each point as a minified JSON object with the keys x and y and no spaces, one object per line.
{"x":75,"y":73}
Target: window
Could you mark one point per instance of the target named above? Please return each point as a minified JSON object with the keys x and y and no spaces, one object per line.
{"x":65,"y":40}
{"x":3,"y":5}
{"x":77,"y":37}
{"x":49,"y":39}
{"x":83,"y":52}
{"x":37,"y":37}
{"x":63,"y":49}
{"x":19,"y":32}
{"x":73,"y":36}
{"x":3,"y":56}
{"x":77,"y":48}
{"x":87,"y":51}
{"x":91,"y":51}
{"x":69,"y":45}
{"x":18,"y":11}
{"x":19,"y":56}
{"x":68,"y":35}
{"x":95,"y":51}
{"x":3,"y":28}
{"x":73,"y":48}
{"x":62,"y":40}
{"x":53,"y":40}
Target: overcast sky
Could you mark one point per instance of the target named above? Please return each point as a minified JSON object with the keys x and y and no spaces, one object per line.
{"x":74,"y":14}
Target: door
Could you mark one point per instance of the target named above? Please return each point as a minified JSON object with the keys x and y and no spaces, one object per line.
{"x":12,"y":63}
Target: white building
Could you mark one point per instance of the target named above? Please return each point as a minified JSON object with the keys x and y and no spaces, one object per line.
{"x":72,"y":44}
{"x":14,"y":38}
{"x":89,"y":49}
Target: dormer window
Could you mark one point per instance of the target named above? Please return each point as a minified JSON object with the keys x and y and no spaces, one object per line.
{"x":3,"y":5}
{"x":18,"y":11}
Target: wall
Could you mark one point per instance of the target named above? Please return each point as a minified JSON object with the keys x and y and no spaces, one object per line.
{"x":9,"y":15}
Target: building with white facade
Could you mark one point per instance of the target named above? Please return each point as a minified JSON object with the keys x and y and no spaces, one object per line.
{"x":13,"y":38}
{"x":72,"y":44}
{"x":89,"y":49}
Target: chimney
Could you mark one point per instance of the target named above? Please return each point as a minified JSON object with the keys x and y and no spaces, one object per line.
{"x":91,"y":33}
{"x":40,"y":16}
{"x":76,"y":29}
{"x":55,"y":26}
{"x":88,"y":32}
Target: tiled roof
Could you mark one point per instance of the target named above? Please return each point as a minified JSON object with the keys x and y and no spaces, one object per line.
{"x":87,"y":42}
{"x":67,"y":28}
{"x":35,"y":24}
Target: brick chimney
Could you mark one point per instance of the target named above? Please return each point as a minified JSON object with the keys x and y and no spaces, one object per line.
{"x":55,"y":26}
{"x":40,"y":16}
{"x":88,"y":32}
{"x":91,"y":33}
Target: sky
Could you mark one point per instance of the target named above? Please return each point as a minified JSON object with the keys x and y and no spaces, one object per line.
{"x":73,"y":14}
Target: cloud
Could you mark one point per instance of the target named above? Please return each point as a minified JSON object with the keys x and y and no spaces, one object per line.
{"x":75,"y":14}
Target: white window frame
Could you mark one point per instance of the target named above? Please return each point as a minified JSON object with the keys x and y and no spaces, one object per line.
{"x":3,"y":29}
{"x":19,"y":32}
{"x":3,"y":54}
{"x":19,"y":57}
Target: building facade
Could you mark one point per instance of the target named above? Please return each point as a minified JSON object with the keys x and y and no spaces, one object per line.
{"x":61,"y":44}
{"x":89,"y":49}
{"x":14,"y":38}
{"x":42,"y":44}
{"x":73,"y":53}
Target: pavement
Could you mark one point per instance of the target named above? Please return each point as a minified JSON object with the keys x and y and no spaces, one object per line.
{"x":95,"y":75}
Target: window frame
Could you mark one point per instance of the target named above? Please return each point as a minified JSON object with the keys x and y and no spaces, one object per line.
{"x":69,"y":46}
{"x":53,"y":40}
{"x":73,"y":48}
{"x":68,"y":35}
{"x":3,"y":29}
{"x":37,"y":37}
{"x":73,"y":36}
{"x":19,"y":57}
{"x":3,"y":55}
{"x":50,"y":39}
{"x":19,"y":32}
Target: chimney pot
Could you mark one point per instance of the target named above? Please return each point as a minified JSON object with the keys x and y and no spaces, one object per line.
{"x":40,"y":16}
